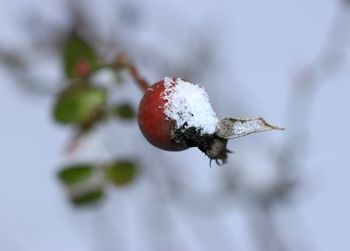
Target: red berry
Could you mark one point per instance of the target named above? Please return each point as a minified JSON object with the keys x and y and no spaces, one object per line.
{"x":175,"y":114}
{"x":154,"y":124}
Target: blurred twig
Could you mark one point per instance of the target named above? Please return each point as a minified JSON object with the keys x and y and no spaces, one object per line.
{"x":292,"y":155}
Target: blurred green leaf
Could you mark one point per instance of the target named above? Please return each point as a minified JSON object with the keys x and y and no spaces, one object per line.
{"x":122,"y":172}
{"x":75,"y":174}
{"x":79,"y":103}
{"x":80,"y":183}
{"x":88,"y":198}
{"x":124,"y":111}
{"x":76,"y":50}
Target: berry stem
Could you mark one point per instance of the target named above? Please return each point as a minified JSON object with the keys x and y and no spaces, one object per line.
{"x":122,"y":61}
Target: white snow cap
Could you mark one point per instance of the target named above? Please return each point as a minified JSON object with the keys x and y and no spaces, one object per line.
{"x":188,"y":105}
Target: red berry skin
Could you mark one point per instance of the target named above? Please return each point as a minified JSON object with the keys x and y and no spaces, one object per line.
{"x":154,"y":124}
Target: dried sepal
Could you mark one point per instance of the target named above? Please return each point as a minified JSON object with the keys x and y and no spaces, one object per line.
{"x":230,"y":128}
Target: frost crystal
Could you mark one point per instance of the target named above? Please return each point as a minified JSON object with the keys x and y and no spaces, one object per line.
{"x":188,"y":105}
{"x":230,"y":128}
{"x":247,"y":127}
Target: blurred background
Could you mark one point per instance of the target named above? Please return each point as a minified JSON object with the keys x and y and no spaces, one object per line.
{"x":283,"y":60}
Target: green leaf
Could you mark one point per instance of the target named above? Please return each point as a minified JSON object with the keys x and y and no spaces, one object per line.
{"x":75,"y":174}
{"x":79,"y":181}
{"x":88,"y":198}
{"x":80,"y":103}
{"x":124,"y":111}
{"x":121,"y":173}
{"x":75,"y":51}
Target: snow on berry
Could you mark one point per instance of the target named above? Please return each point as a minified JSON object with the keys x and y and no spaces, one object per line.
{"x":188,"y":105}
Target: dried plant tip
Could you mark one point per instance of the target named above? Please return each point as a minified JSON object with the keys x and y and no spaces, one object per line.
{"x":230,"y":128}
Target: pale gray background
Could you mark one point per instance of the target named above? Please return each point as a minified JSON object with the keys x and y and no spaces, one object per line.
{"x":258,"y":45}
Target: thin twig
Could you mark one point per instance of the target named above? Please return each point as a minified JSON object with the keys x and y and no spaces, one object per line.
{"x":122,"y":61}
{"x":74,"y":142}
